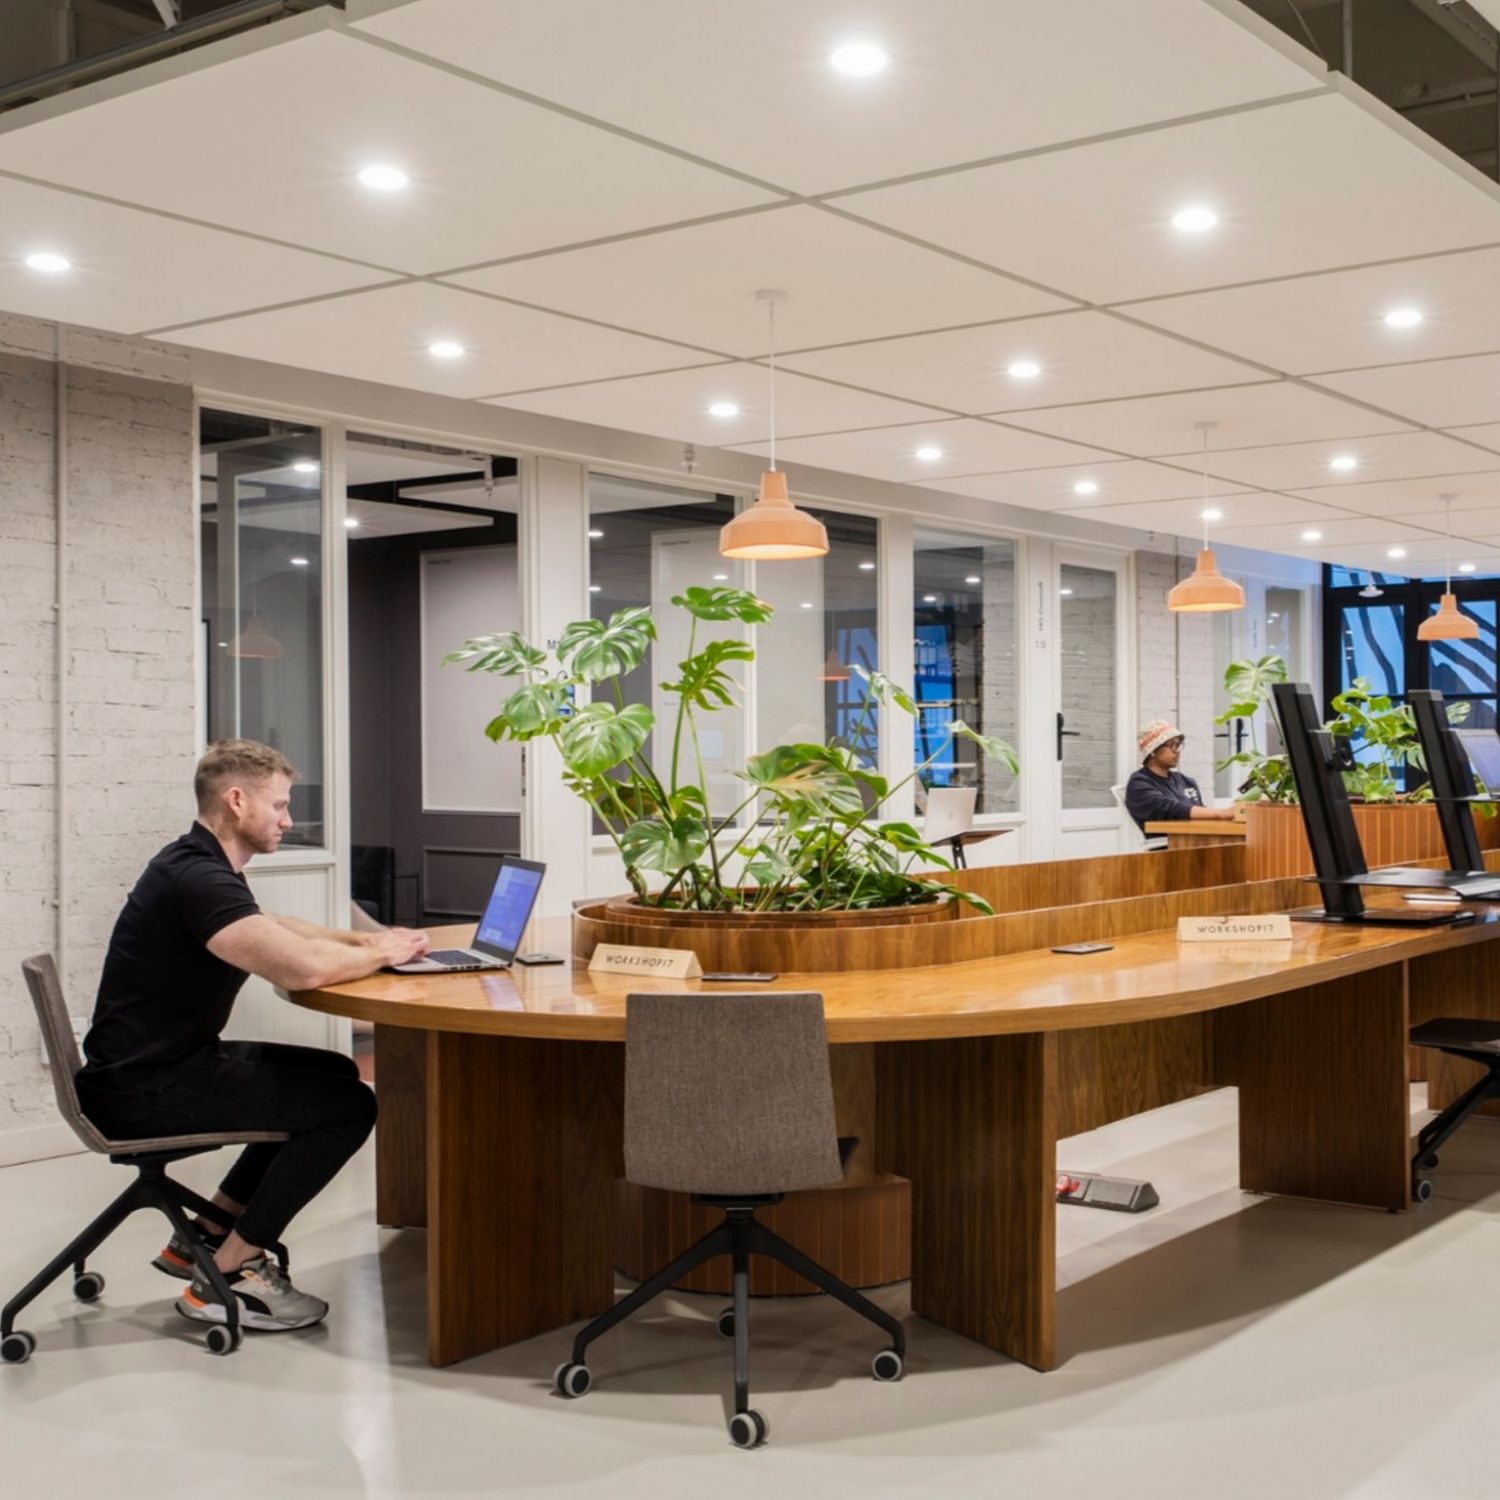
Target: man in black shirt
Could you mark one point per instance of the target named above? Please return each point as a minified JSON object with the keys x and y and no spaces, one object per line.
{"x":1159,"y":792}
{"x":189,"y":935}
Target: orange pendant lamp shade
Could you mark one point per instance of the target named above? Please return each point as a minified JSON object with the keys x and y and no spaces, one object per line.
{"x":833,"y":669}
{"x":773,"y":529}
{"x":1206,"y":590}
{"x":256,"y":643}
{"x":1448,"y":624}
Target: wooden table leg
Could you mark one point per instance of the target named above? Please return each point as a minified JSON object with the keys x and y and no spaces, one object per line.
{"x":1324,"y":1103}
{"x":523,"y":1148}
{"x":972,"y":1124}
{"x":401,"y":1134}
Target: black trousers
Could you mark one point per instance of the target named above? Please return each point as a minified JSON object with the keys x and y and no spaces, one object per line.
{"x":315,"y":1096}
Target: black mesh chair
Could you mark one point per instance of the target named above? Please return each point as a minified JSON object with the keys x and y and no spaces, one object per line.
{"x":152,"y":1187}
{"x":730,"y":1098}
{"x":1475,"y":1042}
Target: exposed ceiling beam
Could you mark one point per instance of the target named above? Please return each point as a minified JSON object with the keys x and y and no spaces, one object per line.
{"x":170,"y":11}
{"x":1476,"y":38}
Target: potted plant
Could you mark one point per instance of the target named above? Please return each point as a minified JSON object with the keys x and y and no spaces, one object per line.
{"x":806,"y":837}
{"x":1267,"y":778}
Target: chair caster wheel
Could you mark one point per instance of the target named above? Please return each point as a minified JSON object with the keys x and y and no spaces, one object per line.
{"x":88,"y":1287}
{"x":16,"y":1348}
{"x":888,"y":1365}
{"x":572,"y":1380}
{"x":223,"y":1340}
{"x":1421,"y":1190}
{"x":726,"y":1323}
{"x":748,"y":1429}
{"x":1430,"y":1161}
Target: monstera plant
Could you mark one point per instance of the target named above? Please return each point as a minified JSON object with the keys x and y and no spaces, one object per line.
{"x":806,"y":835}
{"x":1263,"y":778}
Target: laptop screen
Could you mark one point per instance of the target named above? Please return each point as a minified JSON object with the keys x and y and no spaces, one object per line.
{"x":1483,"y":749}
{"x":509,"y":908}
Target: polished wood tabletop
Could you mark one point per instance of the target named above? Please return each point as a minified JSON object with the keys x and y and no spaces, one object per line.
{"x":1203,"y":828}
{"x":1144,"y":977}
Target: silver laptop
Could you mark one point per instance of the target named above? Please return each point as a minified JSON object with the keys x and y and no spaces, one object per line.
{"x":950,"y":812}
{"x":499,"y":932}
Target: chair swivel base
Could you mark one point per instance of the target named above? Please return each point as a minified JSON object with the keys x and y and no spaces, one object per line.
{"x":739,"y":1236}
{"x":151,"y":1189}
{"x":1476,"y":1042}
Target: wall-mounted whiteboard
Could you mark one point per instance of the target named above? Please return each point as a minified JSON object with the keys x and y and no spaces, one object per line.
{"x":467,"y":592}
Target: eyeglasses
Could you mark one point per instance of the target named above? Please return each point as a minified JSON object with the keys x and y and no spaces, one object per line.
{"x":1173,"y":744}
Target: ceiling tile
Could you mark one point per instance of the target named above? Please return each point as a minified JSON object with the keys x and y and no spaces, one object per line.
{"x":1304,"y":467}
{"x":384,"y":335}
{"x":1408,"y":497}
{"x":890,"y":452}
{"x":1339,"y":533}
{"x":1247,"y":415}
{"x":1119,"y":483}
{"x":1437,"y":393}
{"x":1336,"y":321}
{"x":750,"y":86}
{"x":270,"y":142}
{"x":1303,"y":186}
{"x":119,"y":256}
{"x":1185,"y":517}
{"x":1084,"y":356}
{"x":675,"y":405}
{"x":844,"y":281}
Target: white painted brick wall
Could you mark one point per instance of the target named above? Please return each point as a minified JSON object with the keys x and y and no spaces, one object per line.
{"x":130,"y":682}
{"x":1175,"y":664}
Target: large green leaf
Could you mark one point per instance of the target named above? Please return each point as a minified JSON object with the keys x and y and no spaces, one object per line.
{"x":884,"y":690}
{"x":534,"y":710}
{"x":600,"y":736}
{"x":989,"y":746}
{"x":807,"y":774}
{"x":593,"y":649}
{"x":724,"y":604}
{"x":1250,"y":682}
{"x":704,"y":683}
{"x":507,"y":654}
{"x":664,"y":843}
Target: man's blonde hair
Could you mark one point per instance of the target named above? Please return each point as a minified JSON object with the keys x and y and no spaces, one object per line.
{"x":228,"y":762}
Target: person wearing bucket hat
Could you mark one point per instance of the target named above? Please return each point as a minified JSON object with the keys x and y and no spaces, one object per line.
{"x":1159,"y":792}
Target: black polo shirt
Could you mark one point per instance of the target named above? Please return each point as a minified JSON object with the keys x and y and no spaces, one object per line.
{"x":163,"y":995}
{"x":1150,"y":798}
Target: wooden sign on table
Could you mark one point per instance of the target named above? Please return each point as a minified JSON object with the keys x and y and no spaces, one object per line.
{"x":1274,"y":927}
{"x":646,"y":963}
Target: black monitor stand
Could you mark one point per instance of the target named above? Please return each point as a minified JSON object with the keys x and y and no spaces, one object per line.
{"x":1317,"y":767}
{"x":1453,"y":789}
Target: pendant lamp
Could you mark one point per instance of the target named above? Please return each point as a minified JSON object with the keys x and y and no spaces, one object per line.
{"x":833,"y":669}
{"x":1447,"y":624}
{"x":1205,"y":590}
{"x":773,"y":529}
{"x":256,"y":643}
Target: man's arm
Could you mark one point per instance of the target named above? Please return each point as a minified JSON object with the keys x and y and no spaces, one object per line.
{"x":1216,"y":814}
{"x":330,"y":934}
{"x":265,"y":946}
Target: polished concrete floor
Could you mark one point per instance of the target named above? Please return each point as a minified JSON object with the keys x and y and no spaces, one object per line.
{"x":1220,"y":1346}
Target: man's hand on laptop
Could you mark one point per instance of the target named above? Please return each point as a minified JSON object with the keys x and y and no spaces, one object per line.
{"x":399,"y":945}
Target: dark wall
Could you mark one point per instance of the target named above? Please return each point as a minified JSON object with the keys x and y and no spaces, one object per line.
{"x":445,"y":862}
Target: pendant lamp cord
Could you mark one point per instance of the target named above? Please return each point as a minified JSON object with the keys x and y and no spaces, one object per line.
{"x":1447,"y":545}
{"x":771,"y":320}
{"x":1204,"y":506}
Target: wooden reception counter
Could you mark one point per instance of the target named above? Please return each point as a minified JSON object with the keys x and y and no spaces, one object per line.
{"x":500,"y":1093}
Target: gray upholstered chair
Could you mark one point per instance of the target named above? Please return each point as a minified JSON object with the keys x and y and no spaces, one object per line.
{"x":729,"y":1098}
{"x":152,"y":1187}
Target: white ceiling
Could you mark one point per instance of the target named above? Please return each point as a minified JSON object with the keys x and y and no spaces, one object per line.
{"x":597,"y":191}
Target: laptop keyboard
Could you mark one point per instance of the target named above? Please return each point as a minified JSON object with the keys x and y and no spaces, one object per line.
{"x":452,"y":956}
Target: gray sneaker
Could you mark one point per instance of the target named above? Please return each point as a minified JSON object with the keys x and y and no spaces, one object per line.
{"x":269,"y":1302}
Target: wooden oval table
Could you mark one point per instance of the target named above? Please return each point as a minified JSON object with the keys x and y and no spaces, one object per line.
{"x":500,"y":1096}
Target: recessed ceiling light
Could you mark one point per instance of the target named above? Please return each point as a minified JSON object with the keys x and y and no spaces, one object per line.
{"x":1198,"y":218}
{"x":383,"y":177}
{"x":807,"y":604}
{"x":446,"y":349}
{"x":1086,"y":487}
{"x":351,"y":522}
{"x":49,"y":261}
{"x":867,"y":567}
{"x":859,"y":59}
{"x":1023,"y":369}
{"x":305,"y":466}
{"x":1466,"y":567}
{"x":1312,"y":536}
{"x":721,"y":577}
{"x":929,"y":455}
{"x":1403,"y":317}
{"x":929,"y":598}
{"x":1065,"y":592}
{"x":595,"y":535}
{"x":299,"y":562}
{"x":972,"y":578}
{"x":1212,"y":514}
{"x":1343,"y":463}
{"x":596,"y":588}
{"x":1395,"y":552}
{"x":723,"y":410}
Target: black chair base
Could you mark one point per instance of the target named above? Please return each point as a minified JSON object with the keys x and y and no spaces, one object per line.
{"x":740,"y":1236}
{"x":152,"y":1188}
{"x":1475,"y":1042}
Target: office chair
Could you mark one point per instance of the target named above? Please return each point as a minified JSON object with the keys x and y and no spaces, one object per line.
{"x":1475,"y":1042}
{"x":729,"y":1098}
{"x":1152,"y":844}
{"x":152,"y":1187}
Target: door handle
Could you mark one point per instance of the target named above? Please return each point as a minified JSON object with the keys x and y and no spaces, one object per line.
{"x":1072,"y":734}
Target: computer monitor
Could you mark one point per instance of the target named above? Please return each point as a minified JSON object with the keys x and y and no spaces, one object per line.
{"x":1482,"y":746}
{"x":1452,"y":782}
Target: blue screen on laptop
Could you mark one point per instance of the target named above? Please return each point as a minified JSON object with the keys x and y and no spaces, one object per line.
{"x":510,"y":906}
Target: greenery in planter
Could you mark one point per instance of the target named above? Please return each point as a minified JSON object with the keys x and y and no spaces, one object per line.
{"x":812,"y":839}
{"x":1267,"y":778}
{"x":1390,"y":730}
